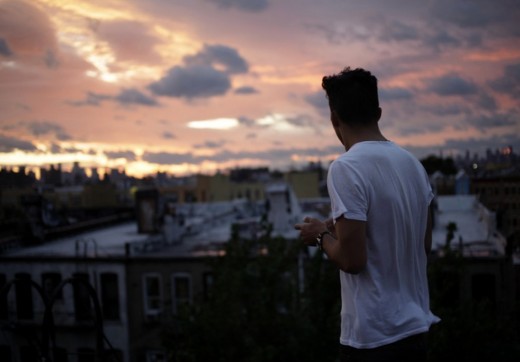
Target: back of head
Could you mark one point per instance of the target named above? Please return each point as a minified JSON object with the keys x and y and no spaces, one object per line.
{"x":353,"y":96}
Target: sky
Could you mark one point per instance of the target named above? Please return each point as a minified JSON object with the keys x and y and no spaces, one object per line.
{"x":202,"y":86}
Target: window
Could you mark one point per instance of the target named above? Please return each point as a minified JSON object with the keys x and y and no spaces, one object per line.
{"x":208,"y":280}
{"x":50,"y":283}
{"x":82,"y":303}
{"x":24,"y":300}
{"x":110,"y":296}
{"x":181,"y":291}
{"x":152,"y":287}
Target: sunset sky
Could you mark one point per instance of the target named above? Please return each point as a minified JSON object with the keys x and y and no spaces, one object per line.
{"x":196,"y":86}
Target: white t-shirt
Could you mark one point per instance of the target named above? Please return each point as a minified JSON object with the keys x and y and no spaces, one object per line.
{"x":386,"y":186}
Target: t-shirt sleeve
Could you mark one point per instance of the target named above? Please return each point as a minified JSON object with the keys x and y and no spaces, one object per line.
{"x":346,"y":192}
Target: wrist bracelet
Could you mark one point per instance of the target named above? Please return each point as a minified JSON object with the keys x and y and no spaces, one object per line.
{"x":319,"y":239}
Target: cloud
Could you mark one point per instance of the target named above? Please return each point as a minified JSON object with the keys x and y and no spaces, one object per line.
{"x":192,"y":82}
{"x":27,"y":33}
{"x":8,"y":144}
{"x":168,"y":135}
{"x":127,"y":96}
{"x":270,"y":156}
{"x":395,"y":93}
{"x":129,"y":155}
{"x":398,"y":31}
{"x":318,"y":100}
{"x":246,"y":5}
{"x":133,"y":96}
{"x":476,"y":14}
{"x":129,"y":40}
{"x":205,"y":74}
{"x":509,"y":83}
{"x":211,"y":144}
{"x":451,"y":85}
{"x":218,"y":56}
{"x":245,"y":90}
{"x":167,"y":158}
{"x":40,"y":128}
{"x":483,"y":122}
{"x":4,"y":48}
{"x":246,"y":121}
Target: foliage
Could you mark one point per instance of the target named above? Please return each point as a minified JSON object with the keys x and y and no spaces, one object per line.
{"x":469,"y":329}
{"x":257,"y":310}
{"x":434,"y":163}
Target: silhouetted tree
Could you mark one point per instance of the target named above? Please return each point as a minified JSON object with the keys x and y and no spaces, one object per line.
{"x":434,"y":163}
{"x":258,"y":311}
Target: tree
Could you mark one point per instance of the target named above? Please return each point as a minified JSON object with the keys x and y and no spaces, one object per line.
{"x":445,"y":165}
{"x":257,"y":310}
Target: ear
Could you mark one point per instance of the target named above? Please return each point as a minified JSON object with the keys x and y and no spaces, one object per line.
{"x":378,"y":114}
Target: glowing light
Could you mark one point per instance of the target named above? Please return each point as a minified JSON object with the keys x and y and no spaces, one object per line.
{"x":218,"y":123}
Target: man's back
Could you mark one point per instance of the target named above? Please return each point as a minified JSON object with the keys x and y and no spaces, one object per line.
{"x":380,"y":183}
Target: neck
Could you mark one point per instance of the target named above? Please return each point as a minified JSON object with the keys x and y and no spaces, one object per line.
{"x":351,"y":136}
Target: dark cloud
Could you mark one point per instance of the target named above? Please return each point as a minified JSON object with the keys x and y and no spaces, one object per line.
{"x":133,"y":96}
{"x":217,"y":57}
{"x":192,"y":82}
{"x":8,"y":144}
{"x":92,"y":99}
{"x":477,"y":14}
{"x":129,"y":155}
{"x":272,"y":156}
{"x":303,"y":120}
{"x":128,"y":96}
{"x":509,"y":83}
{"x":395,"y":93}
{"x":211,"y":144}
{"x":40,"y":128}
{"x":246,"y":121}
{"x":483,"y":122}
{"x":205,"y":74}
{"x":4,"y":48}
{"x":168,"y":135}
{"x":50,"y":59}
{"x":442,"y":38}
{"x":399,"y":31}
{"x":246,"y":5}
{"x":166,"y":158}
{"x":245,"y":90}
{"x":446,"y":109}
{"x":451,"y":85}
{"x":459,"y":147}
{"x":487,"y":102}
{"x":318,"y":100}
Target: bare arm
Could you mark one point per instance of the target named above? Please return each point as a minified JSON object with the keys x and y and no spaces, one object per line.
{"x":348,"y":250}
{"x":346,"y":247}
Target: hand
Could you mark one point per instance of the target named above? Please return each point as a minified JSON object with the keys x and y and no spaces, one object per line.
{"x":310,"y":229}
{"x":330,"y":226}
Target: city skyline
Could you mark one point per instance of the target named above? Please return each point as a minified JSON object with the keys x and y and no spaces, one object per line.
{"x":200,"y":86}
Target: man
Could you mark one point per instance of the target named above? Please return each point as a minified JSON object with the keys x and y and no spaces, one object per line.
{"x":380,"y":232}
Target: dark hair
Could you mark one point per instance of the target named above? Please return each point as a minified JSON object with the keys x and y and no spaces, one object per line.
{"x":352,"y":94}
